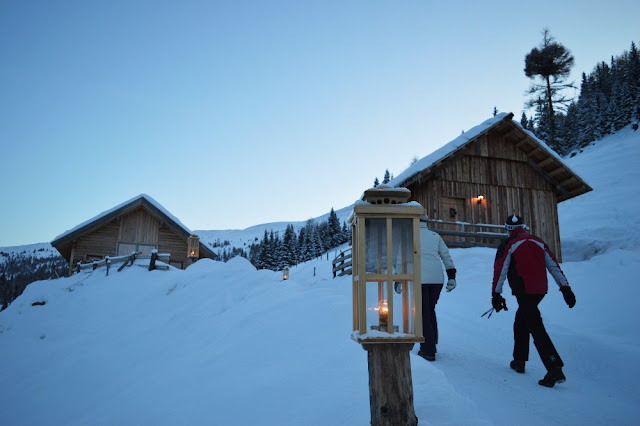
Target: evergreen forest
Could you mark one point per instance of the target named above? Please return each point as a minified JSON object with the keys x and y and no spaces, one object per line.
{"x":609,"y":100}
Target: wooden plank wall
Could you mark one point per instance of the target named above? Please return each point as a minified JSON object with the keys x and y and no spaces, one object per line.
{"x":169,"y":242}
{"x":139,"y":227}
{"x":500,"y":172}
{"x":101,"y":242}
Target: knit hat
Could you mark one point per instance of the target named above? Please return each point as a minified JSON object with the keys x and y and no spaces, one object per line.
{"x":513,"y":222}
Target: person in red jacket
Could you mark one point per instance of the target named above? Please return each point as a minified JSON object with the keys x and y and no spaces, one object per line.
{"x":524,"y":260}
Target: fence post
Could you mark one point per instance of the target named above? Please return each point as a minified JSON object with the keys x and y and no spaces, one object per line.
{"x":152,"y":262}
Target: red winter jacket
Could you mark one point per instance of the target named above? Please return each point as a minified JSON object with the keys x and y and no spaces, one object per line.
{"x":524,"y":260}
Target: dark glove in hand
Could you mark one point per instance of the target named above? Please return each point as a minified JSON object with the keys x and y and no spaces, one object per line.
{"x":451,"y":274}
{"x":498,"y":302}
{"x":568,"y":295}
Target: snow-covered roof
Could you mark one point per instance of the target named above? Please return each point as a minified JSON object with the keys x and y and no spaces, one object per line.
{"x":447,"y":150}
{"x":117,"y":210}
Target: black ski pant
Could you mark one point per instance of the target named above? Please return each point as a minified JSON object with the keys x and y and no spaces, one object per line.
{"x":430,"y":296}
{"x":529,"y":322}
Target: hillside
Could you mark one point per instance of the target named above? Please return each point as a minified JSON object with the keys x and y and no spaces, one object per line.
{"x":224,"y":343}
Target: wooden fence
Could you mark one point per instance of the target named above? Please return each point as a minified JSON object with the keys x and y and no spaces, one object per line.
{"x":127,"y":260}
{"x":342,"y":263}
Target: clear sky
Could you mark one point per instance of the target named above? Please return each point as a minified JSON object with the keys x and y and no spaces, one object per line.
{"x":232,"y":114}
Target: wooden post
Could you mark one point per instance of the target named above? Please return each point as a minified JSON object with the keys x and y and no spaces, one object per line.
{"x":152,"y":262}
{"x":390,"y":384}
{"x":71,"y":258}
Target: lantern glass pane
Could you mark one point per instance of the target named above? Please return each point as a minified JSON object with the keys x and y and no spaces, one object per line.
{"x":402,"y":238}
{"x":376,"y":246}
{"x":403,"y":307}
{"x":376,"y":293}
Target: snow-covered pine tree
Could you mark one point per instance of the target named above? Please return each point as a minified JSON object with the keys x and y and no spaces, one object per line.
{"x":334,"y":228}
{"x":289,"y":248}
{"x":387,"y":177}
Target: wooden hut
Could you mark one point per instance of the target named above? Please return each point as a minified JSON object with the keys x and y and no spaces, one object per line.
{"x":471,"y":184}
{"x":140,"y":224}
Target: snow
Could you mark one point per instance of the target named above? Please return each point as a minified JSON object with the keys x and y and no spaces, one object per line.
{"x":224,"y":343}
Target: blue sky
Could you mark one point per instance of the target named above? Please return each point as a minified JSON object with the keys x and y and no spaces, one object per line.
{"x":232,"y":114}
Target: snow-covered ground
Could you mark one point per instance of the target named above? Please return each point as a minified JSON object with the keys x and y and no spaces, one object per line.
{"x":225,"y":344}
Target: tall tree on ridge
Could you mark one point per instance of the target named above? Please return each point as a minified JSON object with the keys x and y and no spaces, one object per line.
{"x":387,"y":177}
{"x":551,"y":62}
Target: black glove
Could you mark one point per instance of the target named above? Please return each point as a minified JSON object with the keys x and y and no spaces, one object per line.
{"x":568,"y":295}
{"x":451,"y":274}
{"x":498,"y":302}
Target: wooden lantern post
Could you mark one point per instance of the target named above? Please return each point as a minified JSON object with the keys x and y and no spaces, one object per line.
{"x":193,"y":248}
{"x":387,"y":297}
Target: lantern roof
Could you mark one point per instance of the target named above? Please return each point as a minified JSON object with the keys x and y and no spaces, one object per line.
{"x":385,"y":199}
{"x":384,"y":194}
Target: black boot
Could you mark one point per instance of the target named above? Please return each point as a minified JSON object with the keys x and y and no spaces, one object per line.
{"x":518,"y":366}
{"x":428,"y":357}
{"x":553,"y":376}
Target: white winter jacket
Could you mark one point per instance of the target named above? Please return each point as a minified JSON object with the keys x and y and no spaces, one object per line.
{"x":433,"y":253}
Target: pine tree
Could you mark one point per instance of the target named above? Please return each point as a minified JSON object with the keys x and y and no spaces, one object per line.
{"x":376,"y":182}
{"x":387,"y":177}
{"x":633,"y":80}
{"x":334,"y":229}
{"x":551,"y":62}
{"x":263,"y":255}
{"x":289,"y":248}
{"x":523,"y":121}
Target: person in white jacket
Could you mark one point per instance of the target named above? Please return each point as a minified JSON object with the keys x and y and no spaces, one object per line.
{"x":433,"y":254}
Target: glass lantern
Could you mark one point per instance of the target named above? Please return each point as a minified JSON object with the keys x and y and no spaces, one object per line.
{"x":387,"y":298}
{"x":193,"y":247}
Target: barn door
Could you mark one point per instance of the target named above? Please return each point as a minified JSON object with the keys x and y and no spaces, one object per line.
{"x":452,"y":210}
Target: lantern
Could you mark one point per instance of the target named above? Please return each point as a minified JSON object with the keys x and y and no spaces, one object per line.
{"x":387,"y":297}
{"x":480,"y":199}
{"x":285,"y":274}
{"x":193,"y":247}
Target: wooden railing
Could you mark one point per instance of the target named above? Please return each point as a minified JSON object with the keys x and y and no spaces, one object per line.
{"x":464,"y":236}
{"x":342,"y":263}
{"x":127,"y":260}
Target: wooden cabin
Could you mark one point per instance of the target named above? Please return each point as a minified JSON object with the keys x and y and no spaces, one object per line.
{"x":140,"y":224}
{"x":487,"y":173}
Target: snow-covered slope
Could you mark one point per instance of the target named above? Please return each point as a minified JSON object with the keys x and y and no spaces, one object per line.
{"x":245,"y":237}
{"x":40,"y":250}
{"x":223,"y":343}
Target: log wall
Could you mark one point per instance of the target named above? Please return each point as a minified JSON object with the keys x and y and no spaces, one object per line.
{"x":501,"y":173}
{"x":136,"y":227}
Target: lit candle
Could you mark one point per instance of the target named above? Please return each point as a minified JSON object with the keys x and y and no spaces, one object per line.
{"x":383,"y":312}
